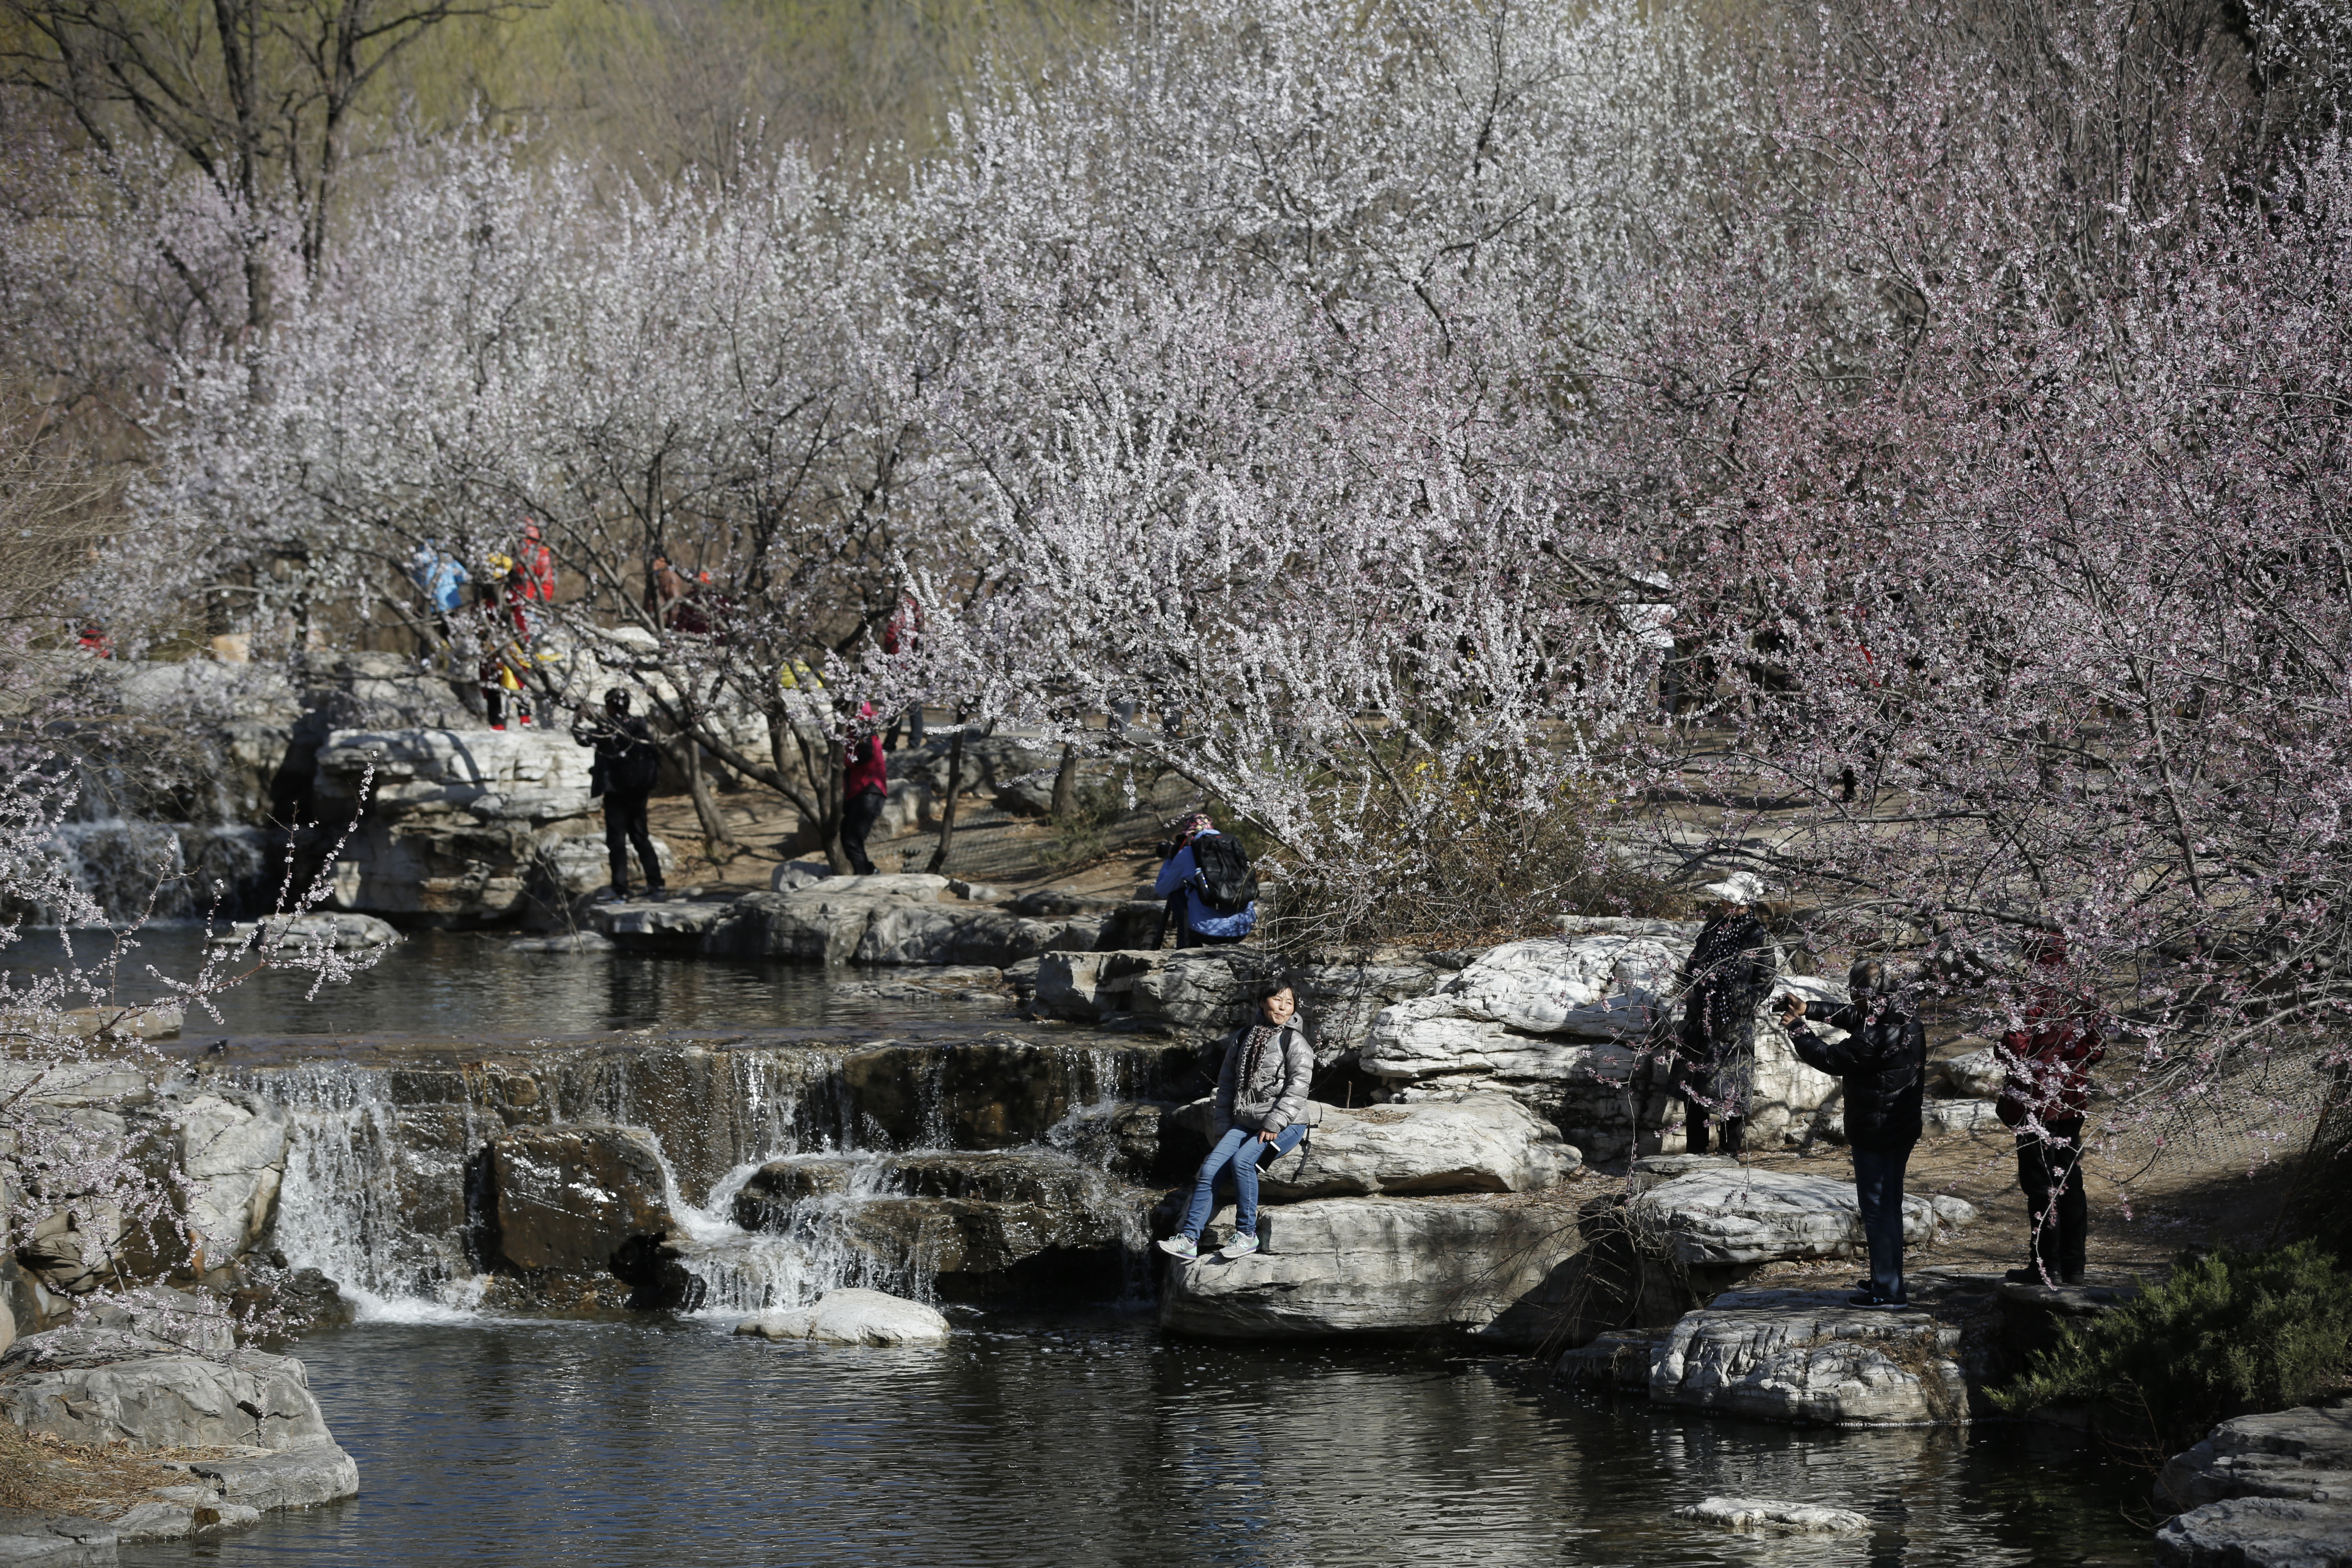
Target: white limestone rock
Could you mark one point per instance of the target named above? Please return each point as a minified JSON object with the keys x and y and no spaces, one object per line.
{"x":1960,"y":1117}
{"x":103,"y":1385}
{"x":852,"y":1318}
{"x":1806,"y":1356}
{"x":1977,"y":1075}
{"x":1480,"y":1143}
{"x":1773,"y":1516}
{"x":232,"y":1145}
{"x":341,"y":933}
{"x":1741,"y":1215}
{"x":536,"y":775}
{"x":1377,"y":1265}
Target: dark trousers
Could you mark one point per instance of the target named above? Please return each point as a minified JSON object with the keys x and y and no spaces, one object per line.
{"x":1695,"y":1087}
{"x":2050,"y":1172}
{"x":1878,"y":1185}
{"x":625,"y":827}
{"x":494,"y":703}
{"x":858,"y":815}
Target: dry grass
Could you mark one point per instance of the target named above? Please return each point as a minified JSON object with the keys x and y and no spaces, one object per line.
{"x":82,"y":1479}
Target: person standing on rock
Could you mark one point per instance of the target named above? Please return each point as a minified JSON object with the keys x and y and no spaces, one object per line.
{"x":1726,"y":977}
{"x":865,"y":791}
{"x":2045,"y":1099}
{"x":627,"y":766}
{"x":1208,"y":882}
{"x":1883,"y":1061}
{"x":1261,"y":1091}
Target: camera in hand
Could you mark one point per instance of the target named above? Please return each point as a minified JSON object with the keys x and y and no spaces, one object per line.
{"x":1166,"y":849}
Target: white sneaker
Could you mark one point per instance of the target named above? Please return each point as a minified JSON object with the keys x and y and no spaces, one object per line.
{"x":1181,"y":1246}
{"x":1243,"y":1243}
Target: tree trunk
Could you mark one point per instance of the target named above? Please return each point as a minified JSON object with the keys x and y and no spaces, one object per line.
{"x":829,"y":822}
{"x":955,"y":788}
{"x":714,"y":834}
{"x":1065,"y":784}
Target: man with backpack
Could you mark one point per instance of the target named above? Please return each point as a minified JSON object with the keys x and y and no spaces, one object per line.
{"x":1210,"y":873}
{"x":627,"y":766}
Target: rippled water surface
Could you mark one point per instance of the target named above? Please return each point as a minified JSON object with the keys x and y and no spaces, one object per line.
{"x":447,"y":983}
{"x":1095,"y":1440}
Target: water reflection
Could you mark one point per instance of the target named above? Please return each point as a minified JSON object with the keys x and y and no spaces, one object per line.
{"x":1097,"y":1442}
{"x":437,"y":982}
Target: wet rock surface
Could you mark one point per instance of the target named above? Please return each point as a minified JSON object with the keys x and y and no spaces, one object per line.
{"x":2257,"y":1533}
{"x":1774,"y":1516}
{"x":852,"y":1318}
{"x":571,"y":1198}
{"x":2272,"y":1490}
{"x":1383,"y":1265}
{"x":1809,"y":1357}
{"x":30,"y":1540}
{"x":2302,"y":1455}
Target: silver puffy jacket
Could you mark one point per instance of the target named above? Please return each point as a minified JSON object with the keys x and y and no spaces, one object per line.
{"x":1267,"y":1094}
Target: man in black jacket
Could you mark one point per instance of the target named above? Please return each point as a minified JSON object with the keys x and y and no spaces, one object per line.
{"x":627,"y":766}
{"x":1883,"y":1061}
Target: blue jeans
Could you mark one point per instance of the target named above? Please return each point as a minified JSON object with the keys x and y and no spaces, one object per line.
{"x":1230,"y":1152}
{"x":1878,"y":1184}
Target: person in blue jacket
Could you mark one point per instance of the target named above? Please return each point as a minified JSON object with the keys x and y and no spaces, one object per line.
{"x":1180,"y":882}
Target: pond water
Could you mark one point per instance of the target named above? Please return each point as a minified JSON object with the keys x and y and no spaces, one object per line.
{"x":1081,"y":1437}
{"x":456,"y":983}
{"x":1091,"y":1439}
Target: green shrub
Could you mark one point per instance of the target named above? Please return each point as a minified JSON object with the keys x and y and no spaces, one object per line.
{"x":2230,"y":1334}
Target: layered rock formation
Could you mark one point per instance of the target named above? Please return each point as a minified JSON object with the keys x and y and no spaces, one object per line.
{"x":2272,"y":1490}
{"x":127,"y":1387}
{"x":1561,"y":1024}
{"x":1807,"y":1356}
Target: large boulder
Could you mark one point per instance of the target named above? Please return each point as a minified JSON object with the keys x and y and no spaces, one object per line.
{"x":459,"y":825}
{"x":232,"y":1145}
{"x":569,"y":1196}
{"x":1739,"y":1215}
{"x":1562,"y":1022}
{"x":894,"y":918}
{"x":982,"y":1224}
{"x":852,"y":1318}
{"x":1373,"y":1266}
{"x":2302,"y":1455}
{"x":2257,"y":1533}
{"x":1198,"y":993}
{"x":102,"y":1385}
{"x":1480,"y":1143}
{"x":1807,"y":1356}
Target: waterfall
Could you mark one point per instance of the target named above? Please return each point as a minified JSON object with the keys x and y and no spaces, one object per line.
{"x":385,"y":1175}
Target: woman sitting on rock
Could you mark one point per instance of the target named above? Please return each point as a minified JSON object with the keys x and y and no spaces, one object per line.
{"x":1261,"y":1090}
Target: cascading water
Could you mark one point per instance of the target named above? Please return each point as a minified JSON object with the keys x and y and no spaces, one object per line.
{"x":382,"y":1185}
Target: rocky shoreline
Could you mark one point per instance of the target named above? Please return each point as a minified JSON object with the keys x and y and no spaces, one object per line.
{"x":1485,"y":1160}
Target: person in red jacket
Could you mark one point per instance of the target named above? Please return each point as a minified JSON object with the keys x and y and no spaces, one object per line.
{"x":865,"y":789}
{"x":2045,"y":1099}
{"x":534,"y":568}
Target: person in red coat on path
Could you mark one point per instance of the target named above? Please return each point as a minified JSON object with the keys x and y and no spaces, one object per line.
{"x":865,"y":790}
{"x":2045,"y":1099}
